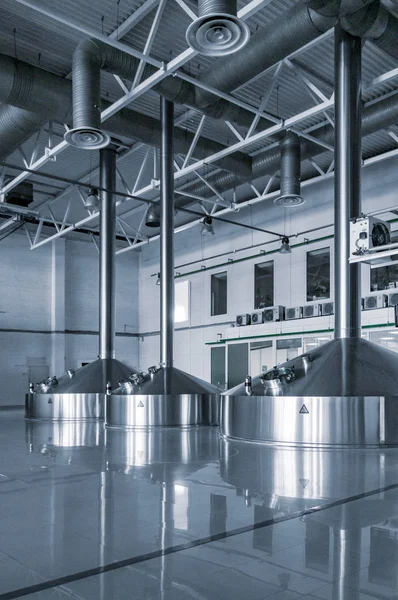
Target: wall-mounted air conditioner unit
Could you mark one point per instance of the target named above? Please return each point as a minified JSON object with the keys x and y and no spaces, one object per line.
{"x":376,"y":301}
{"x":257,"y":317}
{"x":393,"y":299}
{"x":311,"y":310}
{"x":296,"y":312}
{"x":242,"y":320}
{"x":367,"y":233}
{"x":327,"y":308}
{"x":274,"y":313}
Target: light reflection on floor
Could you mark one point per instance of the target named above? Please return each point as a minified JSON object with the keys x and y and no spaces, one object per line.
{"x":75,"y":498}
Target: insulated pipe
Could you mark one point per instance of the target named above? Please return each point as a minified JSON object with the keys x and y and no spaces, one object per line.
{"x":16,"y":127}
{"x":379,"y":115}
{"x":166,"y":235}
{"x":107,"y":253}
{"x":347,"y":179}
{"x":303,"y":23}
{"x":42,"y":96}
{"x":290,"y":167}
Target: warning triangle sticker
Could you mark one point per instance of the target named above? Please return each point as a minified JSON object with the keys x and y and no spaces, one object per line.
{"x":49,"y":401}
{"x":304,"y":483}
{"x":140,"y":405}
{"x":304,"y":410}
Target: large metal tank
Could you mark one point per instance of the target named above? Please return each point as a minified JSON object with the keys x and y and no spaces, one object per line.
{"x":166,"y":396}
{"x":346,"y":391}
{"x":81,"y":394}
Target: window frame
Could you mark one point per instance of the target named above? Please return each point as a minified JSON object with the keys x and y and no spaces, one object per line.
{"x":272,"y":262}
{"x":324,"y":249}
{"x":217,"y":276}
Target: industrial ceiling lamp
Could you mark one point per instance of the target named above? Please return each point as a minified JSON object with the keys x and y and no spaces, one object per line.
{"x":285,"y":247}
{"x":217,"y":31}
{"x":207,"y":226}
{"x":92,"y":201}
{"x":152,"y":217}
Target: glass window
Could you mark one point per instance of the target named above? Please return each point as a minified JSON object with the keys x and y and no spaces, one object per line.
{"x":318,"y":274}
{"x":383,"y":278}
{"x":181,"y":308}
{"x":219,"y":294}
{"x":264,"y":284}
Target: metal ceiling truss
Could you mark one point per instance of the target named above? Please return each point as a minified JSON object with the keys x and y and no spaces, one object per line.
{"x":164,"y":70}
{"x":194,"y":168}
{"x":323,"y":104}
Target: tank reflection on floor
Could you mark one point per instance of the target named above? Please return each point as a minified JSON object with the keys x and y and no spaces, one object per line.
{"x":130,"y":494}
{"x":339,"y":552}
{"x":65,"y":434}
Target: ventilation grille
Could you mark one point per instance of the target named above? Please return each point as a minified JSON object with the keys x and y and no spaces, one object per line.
{"x":309,"y":311}
{"x":328,"y":308}
{"x":393,"y":300}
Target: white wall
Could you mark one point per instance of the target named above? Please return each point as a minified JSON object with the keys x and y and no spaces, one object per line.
{"x":50,"y":299}
{"x":379,"y":190}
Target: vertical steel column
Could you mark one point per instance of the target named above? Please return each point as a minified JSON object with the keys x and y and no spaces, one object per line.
{"x":166,"y":235}
{"x":348,"y":158}
{"x":107,"y":253}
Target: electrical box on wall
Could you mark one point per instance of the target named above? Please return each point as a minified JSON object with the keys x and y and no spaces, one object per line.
{"x":257,"y":317}
{"x":296,"y":312}
{"x":367,"y":233}
{"x":311,"y":310}
{"x":375,"y":301}
{"x":242,"y":320}
{"x":274,"y":313}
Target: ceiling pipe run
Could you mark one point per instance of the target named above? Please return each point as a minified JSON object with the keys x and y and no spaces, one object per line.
{"x":347,"y":187}
{"x":167,"y":239}
{"x":379,"y":115}
{"x":107,"y":253}
{"x":43,"y":96}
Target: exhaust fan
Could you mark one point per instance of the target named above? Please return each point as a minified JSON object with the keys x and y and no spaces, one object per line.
{"x":295,"y":312}
{"x":217,"y":31}
{"x":257,"y":317}
{"x":327,"y":308}
{"x":367,"y":233}
{"x":274,"y":313}
{"x":376,"y":301}
{"x":311,"y":310}
{"x":242,"y":320}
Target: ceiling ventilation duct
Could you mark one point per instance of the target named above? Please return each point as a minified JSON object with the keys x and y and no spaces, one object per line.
{"x":290,"y":172}
{"x":217,"y":31}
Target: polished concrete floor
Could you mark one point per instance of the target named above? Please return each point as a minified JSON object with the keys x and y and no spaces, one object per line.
{"x":172,"y":514}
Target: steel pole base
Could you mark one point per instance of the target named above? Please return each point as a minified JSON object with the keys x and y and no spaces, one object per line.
{"x":162,"y":410}
{"x":312,"y":421}
{"x":64,"y":407}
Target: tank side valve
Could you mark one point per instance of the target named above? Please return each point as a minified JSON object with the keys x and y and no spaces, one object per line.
{"x":248,"y":385}
{"x":108,"y":388}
